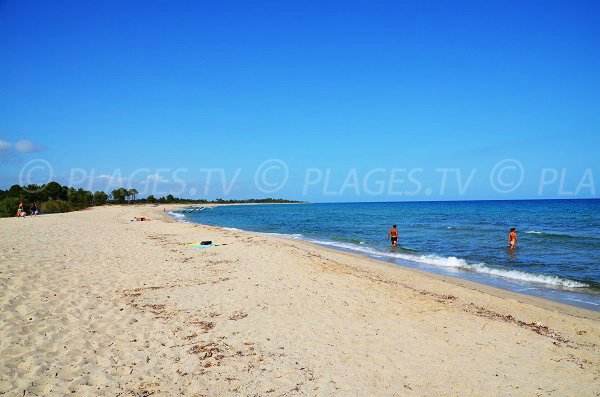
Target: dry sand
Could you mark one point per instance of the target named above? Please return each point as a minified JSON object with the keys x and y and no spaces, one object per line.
{"x":93,"y":304}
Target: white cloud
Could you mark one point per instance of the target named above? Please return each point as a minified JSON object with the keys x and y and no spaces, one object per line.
{"x":21,"y":146}
{"x":25,"y":146}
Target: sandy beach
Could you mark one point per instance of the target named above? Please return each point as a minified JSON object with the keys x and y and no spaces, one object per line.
{"x":94,"y":304}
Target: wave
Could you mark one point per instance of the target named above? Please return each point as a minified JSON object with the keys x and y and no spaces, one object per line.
{"x":560,"y":235}
{"x":233,"y":229}
{"x":505,"y":273}
{"x":349,"y":240}
{"x":179,"y":216}
{"x":295,"y":236}
{"x":458,"y":263}
{"x":549,"y":234}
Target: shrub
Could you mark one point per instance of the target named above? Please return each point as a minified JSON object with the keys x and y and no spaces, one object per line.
{"x":54,"y":206}
{"x":9,"y":206}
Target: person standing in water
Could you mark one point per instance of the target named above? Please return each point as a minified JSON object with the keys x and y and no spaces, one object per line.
{"x":512,"y":238}
{"x":393,"y":235}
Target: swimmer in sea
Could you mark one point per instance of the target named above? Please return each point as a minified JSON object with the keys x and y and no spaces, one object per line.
{"x":393,"y":235}
{"x":512,"y":238}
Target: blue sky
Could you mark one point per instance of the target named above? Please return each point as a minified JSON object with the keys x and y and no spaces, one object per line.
{"x":112,"y":93}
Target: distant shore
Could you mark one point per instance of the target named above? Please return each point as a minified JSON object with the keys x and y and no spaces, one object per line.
{"x":95,"y":303}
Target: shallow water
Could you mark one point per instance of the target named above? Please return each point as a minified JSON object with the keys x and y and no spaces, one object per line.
{"x":558,"y":255}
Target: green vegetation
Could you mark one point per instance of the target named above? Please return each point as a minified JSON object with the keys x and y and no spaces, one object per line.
{"x":8,"y":206}
{"x":53,"y":197}
{"x":54,"y":206}
{"x":176,"y":200}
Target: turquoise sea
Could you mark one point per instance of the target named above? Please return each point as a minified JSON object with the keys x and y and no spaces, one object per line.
{"x":558,"y":256}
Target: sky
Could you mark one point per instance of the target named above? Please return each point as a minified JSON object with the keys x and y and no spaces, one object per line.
{"x":317,"y":101}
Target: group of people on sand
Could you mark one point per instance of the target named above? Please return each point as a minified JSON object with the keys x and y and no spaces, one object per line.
{"x":21,"y":213}
{"x":512,"y":237}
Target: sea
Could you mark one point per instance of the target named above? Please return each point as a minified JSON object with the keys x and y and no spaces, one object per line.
{"x":557,"y":257}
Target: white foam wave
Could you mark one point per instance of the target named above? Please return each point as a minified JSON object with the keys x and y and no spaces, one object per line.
{"x":233,"y":229}
{"x":176,"y":214}
{"x":295,"y":236}
{"x":533,"y":232}
{"x":458,"y":263}
{"x":179,"y":216}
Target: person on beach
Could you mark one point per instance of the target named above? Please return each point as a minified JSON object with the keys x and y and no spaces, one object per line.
{"x":393,"y":235}
{"x":512,"y":238}
{"x":20,"y":211}
{"x":34,"y":209}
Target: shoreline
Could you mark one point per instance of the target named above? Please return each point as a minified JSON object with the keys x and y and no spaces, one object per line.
{"x":539,"y":300}
{"x":126,"y":307}
{"x":481,"y":287}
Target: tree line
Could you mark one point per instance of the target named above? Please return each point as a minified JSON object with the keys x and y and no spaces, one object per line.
{"x":54,"y":197}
